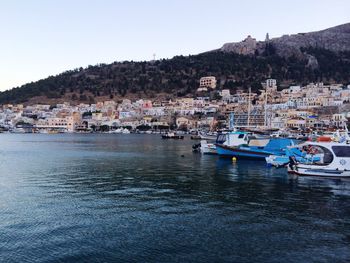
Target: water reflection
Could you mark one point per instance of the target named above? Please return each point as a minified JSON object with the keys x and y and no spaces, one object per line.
{"x":138,"y":198}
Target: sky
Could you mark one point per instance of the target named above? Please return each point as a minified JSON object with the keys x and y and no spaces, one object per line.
{"x":39,"y":38}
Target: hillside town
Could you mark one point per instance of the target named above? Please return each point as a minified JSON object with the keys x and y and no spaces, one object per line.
{"x":314,"y":106}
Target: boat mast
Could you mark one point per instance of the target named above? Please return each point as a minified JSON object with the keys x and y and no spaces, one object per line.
{"x":265,"y":119}
{"x":250,"y":90}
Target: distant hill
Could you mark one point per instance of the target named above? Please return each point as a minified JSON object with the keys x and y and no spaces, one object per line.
{"x":336,"y":39}
{"x":295,"y":59}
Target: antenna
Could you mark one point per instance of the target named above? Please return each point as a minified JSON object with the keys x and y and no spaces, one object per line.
{"x":154,"y":56}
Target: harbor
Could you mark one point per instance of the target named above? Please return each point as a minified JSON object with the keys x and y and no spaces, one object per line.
{"x":175,"y":131}
{"x":324,"y":156}
{"x":136,"y":197}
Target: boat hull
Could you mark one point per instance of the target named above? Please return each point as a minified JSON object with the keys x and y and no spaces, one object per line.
{"x":239,"y":152}
{"x":313,"y":170}
{"x":208,"y":148}
{"x":175,"y":137}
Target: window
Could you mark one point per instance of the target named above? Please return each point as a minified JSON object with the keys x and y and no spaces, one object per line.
{"x":327,"y":154}
{"x":221,"y":138}
{"x":240,"y":136}
{"x":341,"y":151}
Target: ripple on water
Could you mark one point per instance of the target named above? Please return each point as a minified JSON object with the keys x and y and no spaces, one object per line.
{"x":105,"y":198}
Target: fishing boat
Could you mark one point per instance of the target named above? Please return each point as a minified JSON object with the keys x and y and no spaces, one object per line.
{"x":233,"y":138}
{"x":256,"y":148}
{"x":334,"y":162}
{"x":208,"y":146}
{"x":172,"y":135}
{"x":299,"y":152}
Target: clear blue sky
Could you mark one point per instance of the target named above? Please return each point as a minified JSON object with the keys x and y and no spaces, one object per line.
{"x":39,"y":38}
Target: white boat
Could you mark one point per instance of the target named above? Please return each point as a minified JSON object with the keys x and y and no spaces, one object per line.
{"x":18,"y":130}
{"x":125,"y":131}
{"x":43,"y":131}
{"x":172,"y":135}
{"x":208,"y":136}
{"x":334,"y":161}
{"x":119,"y":130}
{"x":229,"y":139}
{"x":208,"y":147}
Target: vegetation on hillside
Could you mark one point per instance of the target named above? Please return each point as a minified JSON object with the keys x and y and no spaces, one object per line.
{"x":180,"y":75}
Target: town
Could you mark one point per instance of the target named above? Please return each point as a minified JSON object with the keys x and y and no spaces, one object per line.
{"x":314,"y":106}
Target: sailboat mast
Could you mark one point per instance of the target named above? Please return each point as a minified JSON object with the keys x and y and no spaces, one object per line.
{"x":265,"y":119}
{"x":249,"y":101}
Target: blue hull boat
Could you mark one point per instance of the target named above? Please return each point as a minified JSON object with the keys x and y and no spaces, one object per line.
{"x":299,"y":156}
{"x":273,"y":147}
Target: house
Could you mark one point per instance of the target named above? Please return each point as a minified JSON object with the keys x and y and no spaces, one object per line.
{"x":184,"y":122}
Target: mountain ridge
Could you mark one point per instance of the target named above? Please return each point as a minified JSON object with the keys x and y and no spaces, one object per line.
{"x":317,"y":39}
{"x":291,"y":59}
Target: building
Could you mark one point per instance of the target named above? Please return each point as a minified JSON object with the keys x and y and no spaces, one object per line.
{"x":207,"y":82}
{"x":271,"y":84}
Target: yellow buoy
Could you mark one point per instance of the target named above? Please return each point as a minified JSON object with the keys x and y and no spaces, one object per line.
{"x":234,"y":159}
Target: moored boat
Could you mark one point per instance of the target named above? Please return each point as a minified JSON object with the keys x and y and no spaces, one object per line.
{"x":335,"y":161}
{"x":233,"y":138}
{"x":172,"y":135}
{"x":207,"y":147}
{"x":256,"y":148}
{"x":208,"y":136}
{"x":300,"y":152}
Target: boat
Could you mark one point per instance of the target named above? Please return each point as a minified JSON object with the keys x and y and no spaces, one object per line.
{"x":172,"y":135}
{"x":125,"y":131}
{"x":256,"y":148}
{"x":43,"y":131}
{"x":335,"y":161}
{"x":18,"y":130}
{"x":208,"y":136}
{"x":234,"y":138}
{"x":299,"y":152}
{"x":117,"y":131}
{"x":331,"y":136}
{"x":207,"y":147}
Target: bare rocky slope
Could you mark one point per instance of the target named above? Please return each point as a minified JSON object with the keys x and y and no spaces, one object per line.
{"x":336,"y":39}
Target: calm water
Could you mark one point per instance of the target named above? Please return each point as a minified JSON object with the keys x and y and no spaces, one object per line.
{"x":135,"y":198}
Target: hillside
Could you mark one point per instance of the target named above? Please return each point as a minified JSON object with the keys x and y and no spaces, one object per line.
{"x":336,"y":39}
{"x":180,"y":75}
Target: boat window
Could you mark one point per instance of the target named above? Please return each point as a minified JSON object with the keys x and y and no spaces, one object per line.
{"x":221,"y":138}
{"x":240,"y":136}
{"x":341,"y":151}
{"x":327,"y":154}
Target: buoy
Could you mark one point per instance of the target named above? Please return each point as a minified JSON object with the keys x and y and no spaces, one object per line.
{"x":234,"y":159}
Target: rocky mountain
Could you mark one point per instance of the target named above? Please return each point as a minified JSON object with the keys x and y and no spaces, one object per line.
{"x":295,"y":59}
{"x":336,"y":39}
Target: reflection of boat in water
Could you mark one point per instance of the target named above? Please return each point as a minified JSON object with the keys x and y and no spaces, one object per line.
{"x":332,"y":184}
{"x":334,"y":161}
{"x":172,"y":135}
{"x":256,"y":148}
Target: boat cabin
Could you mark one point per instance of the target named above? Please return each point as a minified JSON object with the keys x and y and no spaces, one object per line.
{"x":235,"y":138}
{"x":330,"y":152}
